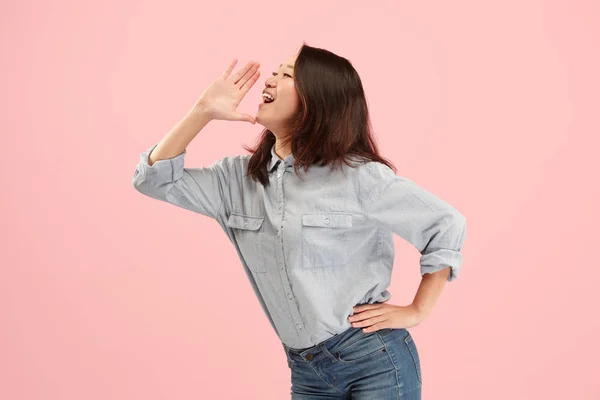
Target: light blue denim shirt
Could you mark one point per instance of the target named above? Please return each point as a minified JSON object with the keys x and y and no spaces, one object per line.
{"x":313,"y":244}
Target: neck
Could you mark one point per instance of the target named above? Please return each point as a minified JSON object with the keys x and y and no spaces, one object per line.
{"x":282,"y":149}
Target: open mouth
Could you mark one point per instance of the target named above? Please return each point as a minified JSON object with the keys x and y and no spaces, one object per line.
{"x":267,"y":98}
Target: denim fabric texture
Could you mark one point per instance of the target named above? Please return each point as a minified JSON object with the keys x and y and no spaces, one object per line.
{"x":379,"y":365}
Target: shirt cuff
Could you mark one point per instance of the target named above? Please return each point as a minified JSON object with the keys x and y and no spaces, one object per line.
{"x":162,"y":171}
{"x":441,"y":259}
{"x":446,"y":257}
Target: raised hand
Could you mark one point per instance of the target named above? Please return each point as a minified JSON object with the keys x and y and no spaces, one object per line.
{"x":221,"y":99}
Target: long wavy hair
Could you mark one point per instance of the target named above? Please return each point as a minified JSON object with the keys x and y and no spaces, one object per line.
{"x":332,"y":124}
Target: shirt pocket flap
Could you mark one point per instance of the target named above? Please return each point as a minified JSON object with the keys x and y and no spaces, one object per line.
{"x":245,"y":222}
{"x":327,"y":220}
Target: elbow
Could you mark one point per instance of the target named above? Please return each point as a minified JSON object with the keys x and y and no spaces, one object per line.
{"x":136,"y":180}
{"x":459,"y":228}
{"x":460,"y":220}
{"x":457,"y":220}
{"x":140,"y":181}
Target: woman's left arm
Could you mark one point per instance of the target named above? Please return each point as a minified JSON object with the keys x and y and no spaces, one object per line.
{"x":429,"y":223}
{"x":428,"y":292}
{"x":432,"y":225}
{"x":372,"y":317}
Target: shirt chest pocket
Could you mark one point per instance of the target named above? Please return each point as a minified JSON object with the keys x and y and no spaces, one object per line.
{"x":326,"y":239}
{"x":249,"y":238}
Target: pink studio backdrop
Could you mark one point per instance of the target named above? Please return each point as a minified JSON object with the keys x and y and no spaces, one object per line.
{"x":108,"y":294}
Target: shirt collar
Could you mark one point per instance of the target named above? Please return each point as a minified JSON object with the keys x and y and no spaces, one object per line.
{"x":275,"y":159}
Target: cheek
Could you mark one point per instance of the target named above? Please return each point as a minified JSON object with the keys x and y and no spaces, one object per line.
{"x":290,"y":103}
{"x":291,"y":95}
{"x":293,"y":101}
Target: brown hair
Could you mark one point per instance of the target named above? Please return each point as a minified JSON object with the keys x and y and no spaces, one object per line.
{"x":332,"y":123}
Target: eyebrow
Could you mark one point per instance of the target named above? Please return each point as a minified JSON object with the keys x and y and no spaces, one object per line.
{"x":289,"y":66}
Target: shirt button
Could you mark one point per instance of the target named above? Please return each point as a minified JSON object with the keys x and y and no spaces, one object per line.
{"x":279,"y":175}
{"x":327,"y":221}
{"x":298,"y":326}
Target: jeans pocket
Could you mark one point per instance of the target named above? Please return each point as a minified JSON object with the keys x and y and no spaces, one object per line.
{"x":412,"y":348}
{"x":364,"y":348}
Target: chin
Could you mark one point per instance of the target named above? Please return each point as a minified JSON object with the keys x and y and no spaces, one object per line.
{"x":260,"y":121}
{"x":264,"y":122}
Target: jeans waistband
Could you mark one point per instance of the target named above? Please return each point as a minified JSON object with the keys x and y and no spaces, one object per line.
{"x":330,"y":343}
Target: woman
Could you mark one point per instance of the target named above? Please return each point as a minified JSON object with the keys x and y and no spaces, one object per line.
{"x":316,"y":242}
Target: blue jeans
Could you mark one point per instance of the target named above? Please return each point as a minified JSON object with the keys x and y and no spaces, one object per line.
{"x":378,"y":365}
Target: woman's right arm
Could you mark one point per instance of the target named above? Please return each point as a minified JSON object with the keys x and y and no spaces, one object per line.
{"x":178,"y":138}
{"x":160,"y":172}
{"x":161,"y":175}
{"x":219,"y":101}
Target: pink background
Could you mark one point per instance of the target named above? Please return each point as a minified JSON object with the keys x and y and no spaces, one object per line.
{"x":108,"y":294}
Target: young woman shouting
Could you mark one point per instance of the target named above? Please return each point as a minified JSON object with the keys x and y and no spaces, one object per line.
{"x":311,"y":213}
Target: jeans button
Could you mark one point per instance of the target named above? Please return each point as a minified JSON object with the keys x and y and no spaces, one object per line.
{"x":309,"y":357}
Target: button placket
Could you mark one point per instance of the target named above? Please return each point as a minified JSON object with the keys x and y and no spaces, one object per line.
{"x":284,"y":277}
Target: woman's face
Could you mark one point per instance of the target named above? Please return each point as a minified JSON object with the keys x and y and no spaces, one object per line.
{"x":275,"y":115}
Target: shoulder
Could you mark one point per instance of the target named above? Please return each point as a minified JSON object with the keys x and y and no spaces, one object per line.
{"x":374,"y":173}
{"x":374,"y":177}
{"x":374,"y":170}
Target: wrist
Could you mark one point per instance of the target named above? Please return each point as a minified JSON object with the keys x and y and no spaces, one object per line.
{"x":201,"y":113}
{"x":420,"y":312}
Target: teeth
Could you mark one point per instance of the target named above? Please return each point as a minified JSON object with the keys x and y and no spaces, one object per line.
{"x":267,"y":96}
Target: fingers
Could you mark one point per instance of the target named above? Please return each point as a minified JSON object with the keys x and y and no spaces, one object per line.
{"x":226,"y":73}
{"x":243,"y":74}
{"x":245,"y":77}
{"x":362,"y":315}
{"x":372,"y":322}
{"x":248,"y":74}
{"x":250,"y":82}
{"x":368,"y":306}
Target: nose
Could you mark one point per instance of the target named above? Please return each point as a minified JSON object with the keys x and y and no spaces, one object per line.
{"x":270,"y":82}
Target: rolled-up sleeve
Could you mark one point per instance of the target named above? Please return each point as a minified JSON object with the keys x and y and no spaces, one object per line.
{"x":432,"y":225}
{"x":200,"y":190}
